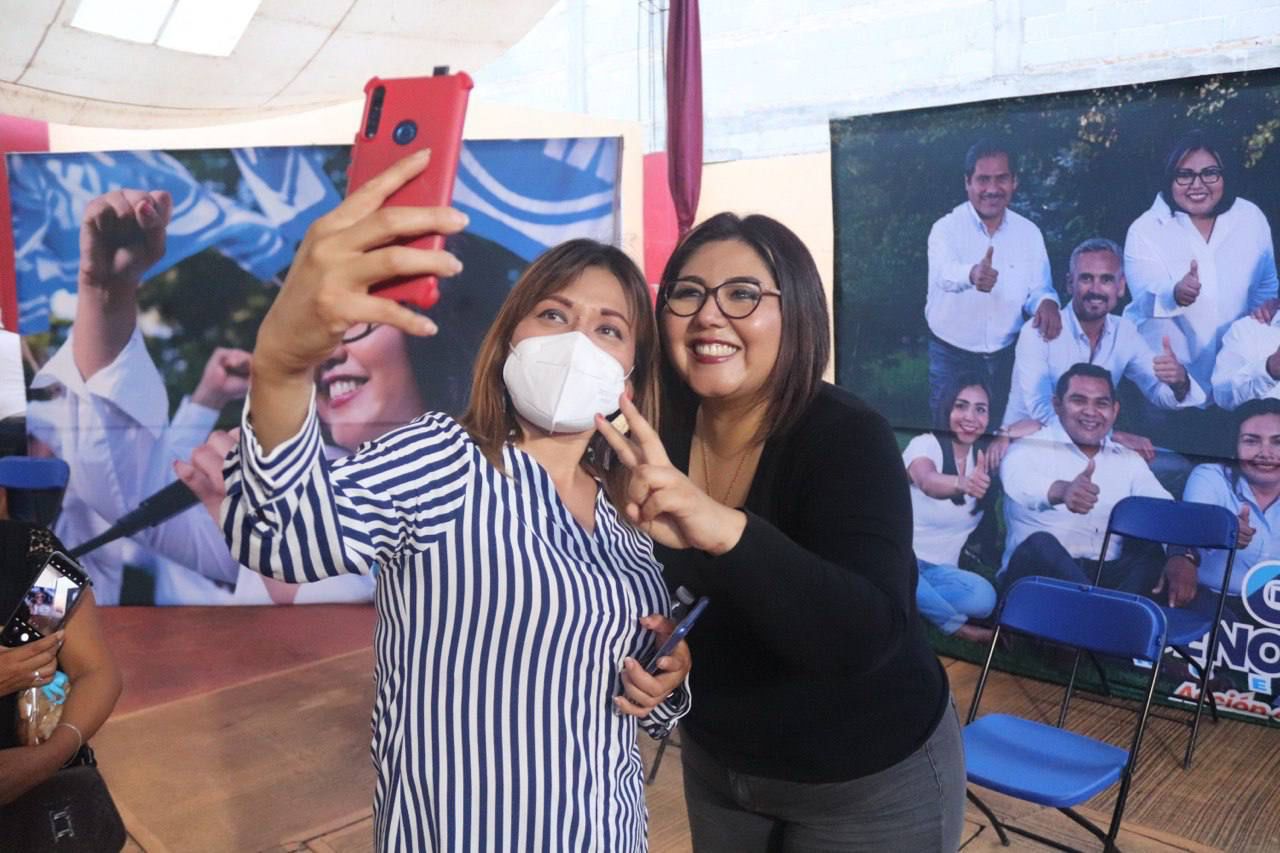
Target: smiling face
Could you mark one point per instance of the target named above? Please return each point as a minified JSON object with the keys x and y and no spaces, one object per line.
{"x":1198,"y":198}
{"x":1088,"y":410}
{"x":719,"y":357}
{"x":969,"y":414}
{"x":1258,"y":449}
{"x":595,"y":304}
{"x":367,"y":388}
{"x":991,"y":186}
{"x":1096,"y":286}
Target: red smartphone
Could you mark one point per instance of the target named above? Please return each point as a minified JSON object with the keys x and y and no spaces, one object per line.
{"x":403,"y":116}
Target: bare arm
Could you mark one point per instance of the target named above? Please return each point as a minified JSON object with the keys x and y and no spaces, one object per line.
{"x":121,"y":236}
{"x":95,"y":686}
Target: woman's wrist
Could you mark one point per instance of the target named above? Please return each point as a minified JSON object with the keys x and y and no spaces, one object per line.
{"x":732,"y":528}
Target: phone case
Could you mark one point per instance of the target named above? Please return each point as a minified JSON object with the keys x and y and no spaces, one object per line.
{"x":402,"y":116}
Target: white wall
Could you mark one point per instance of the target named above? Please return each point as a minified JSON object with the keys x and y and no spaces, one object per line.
{"x":775,"y":73}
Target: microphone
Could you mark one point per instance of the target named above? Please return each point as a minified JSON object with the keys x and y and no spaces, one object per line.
{"x":155,"y":508}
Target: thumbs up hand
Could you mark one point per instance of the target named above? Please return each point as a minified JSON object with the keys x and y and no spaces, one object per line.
{"x":1187,"y":290}
{"x":1170,"y":371}
{"x":983,"y":276}
{"x":1081,"y":494}
{"x":1244,"y":535}
{"x":976,"y":482}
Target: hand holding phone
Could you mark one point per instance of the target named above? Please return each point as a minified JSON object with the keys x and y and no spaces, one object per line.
{"x":48,"y":603}
{"x":681,"y":630}
{"x":401,"y":117}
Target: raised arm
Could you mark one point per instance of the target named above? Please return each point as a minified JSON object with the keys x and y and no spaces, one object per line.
{"x":344,"y":253}
{"x":122,"y":234}
{"x":843,"y":600}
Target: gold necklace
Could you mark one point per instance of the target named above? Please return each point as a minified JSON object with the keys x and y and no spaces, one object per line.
{"x":706,"y":471}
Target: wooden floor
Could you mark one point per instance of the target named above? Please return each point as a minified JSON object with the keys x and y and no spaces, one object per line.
{"x":247,"y":729}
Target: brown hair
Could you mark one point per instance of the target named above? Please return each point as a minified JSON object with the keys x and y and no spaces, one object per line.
{"x":796,"y":377}
{"x":490,"y":417}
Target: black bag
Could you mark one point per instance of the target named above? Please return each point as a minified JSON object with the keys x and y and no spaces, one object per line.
{"x":70,"y":812}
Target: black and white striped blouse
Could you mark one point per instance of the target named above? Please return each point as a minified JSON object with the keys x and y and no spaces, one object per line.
{"x":502,"y":626}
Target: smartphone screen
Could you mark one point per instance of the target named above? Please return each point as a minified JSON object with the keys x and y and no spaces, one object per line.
{"x":681,"y":630}
{"x":48,"y":603}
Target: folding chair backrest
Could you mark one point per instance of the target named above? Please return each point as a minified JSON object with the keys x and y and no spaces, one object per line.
{"x":1087,"y":617}
{"x":1194,"y":525}
{"x":35,"y":486}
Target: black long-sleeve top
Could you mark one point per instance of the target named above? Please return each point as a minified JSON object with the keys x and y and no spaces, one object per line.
{"x":811,"y":663}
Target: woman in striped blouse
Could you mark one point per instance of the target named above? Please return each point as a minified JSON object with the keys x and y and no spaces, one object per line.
{"x":513,"y":601}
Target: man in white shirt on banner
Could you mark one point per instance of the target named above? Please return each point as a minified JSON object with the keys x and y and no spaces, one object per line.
{"x":988,"y":271}
{"x":1061,"y":484}
{"x":1248,"y":366}
{"x":1091,"y":334}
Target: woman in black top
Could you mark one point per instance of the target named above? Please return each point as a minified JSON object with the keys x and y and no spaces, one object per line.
{"x":823,"y":719}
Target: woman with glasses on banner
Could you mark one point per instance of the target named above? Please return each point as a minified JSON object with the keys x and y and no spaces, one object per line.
{"x":823,"y":719}
{"x":513,"y":600}
{"x":1199,"y":259}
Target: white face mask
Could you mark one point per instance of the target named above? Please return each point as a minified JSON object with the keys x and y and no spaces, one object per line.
{"x":561,"y":382}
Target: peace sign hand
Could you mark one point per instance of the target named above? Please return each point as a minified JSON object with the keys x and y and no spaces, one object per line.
{"x":663,"y":502}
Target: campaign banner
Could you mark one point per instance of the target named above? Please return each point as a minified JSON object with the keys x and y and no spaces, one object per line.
{"x":124,"y":396}
{"x":1060,"y":301}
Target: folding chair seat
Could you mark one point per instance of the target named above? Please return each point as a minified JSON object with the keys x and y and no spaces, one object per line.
{"x":1049,"y":765}
{"x":1192,"y":525}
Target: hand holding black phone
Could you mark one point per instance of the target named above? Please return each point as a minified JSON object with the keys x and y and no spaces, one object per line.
{"x":681,"y":630}
{"x":48,"y":603}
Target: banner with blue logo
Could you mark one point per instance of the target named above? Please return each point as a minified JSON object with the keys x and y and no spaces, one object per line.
{"x":180,"y":360}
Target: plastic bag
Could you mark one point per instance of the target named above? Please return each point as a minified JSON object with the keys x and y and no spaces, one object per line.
{"x":40,"y":708}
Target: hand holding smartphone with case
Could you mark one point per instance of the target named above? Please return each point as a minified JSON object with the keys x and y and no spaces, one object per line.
{"x":681,"y":631}
{"x":48,"y":603}
{"x":403,"y":116}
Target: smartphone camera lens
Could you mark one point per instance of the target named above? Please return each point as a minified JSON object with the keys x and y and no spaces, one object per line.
{"x":405,"y":132}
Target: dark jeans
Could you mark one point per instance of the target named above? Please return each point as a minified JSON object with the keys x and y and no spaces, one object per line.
{"x":947,"y":362}
{"x":1136,"y":570}
{"x":916,"y":805}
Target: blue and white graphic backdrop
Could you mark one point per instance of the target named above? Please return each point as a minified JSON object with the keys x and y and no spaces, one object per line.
{"x":525,"y":195}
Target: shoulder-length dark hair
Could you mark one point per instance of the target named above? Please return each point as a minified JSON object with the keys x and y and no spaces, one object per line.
{"x":490,"y":417}
{"x":1248,"y":409}
{"x":805,"y":348}
{"x":942,"y":431}
{"x":1198,"y":140}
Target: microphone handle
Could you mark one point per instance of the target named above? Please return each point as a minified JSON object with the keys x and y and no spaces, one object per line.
{"x":157,"y":507}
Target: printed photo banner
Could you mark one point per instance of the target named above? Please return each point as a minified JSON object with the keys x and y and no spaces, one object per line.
{"x":936,"y":288}
{"x":238,"y":216}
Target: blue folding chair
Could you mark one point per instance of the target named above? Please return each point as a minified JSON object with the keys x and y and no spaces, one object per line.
{"x":35,"y":486}
{"x":1192,"y":525}
{"x":1050,"y":765}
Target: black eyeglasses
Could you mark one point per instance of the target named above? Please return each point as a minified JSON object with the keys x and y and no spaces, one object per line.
{"x":735,"y":299}
{"x":358,"y":332}
{"x":1208,"y":176}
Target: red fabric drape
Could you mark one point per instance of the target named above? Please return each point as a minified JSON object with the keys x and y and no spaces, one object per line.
{"x":684,"y":110}
{"x":16,"y":134}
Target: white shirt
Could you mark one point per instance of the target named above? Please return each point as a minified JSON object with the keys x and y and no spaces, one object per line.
{"x":13,"y":387}
{"x":962,"y":315}
{"x":1240,"y":372}
{"x":941,"y":526}
{"x":1211,"y":484}
{"x":1038,"y":364}
{"x":115,"y":434}
{"x":1237,"y":271}
{"x":1034,"y":463}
